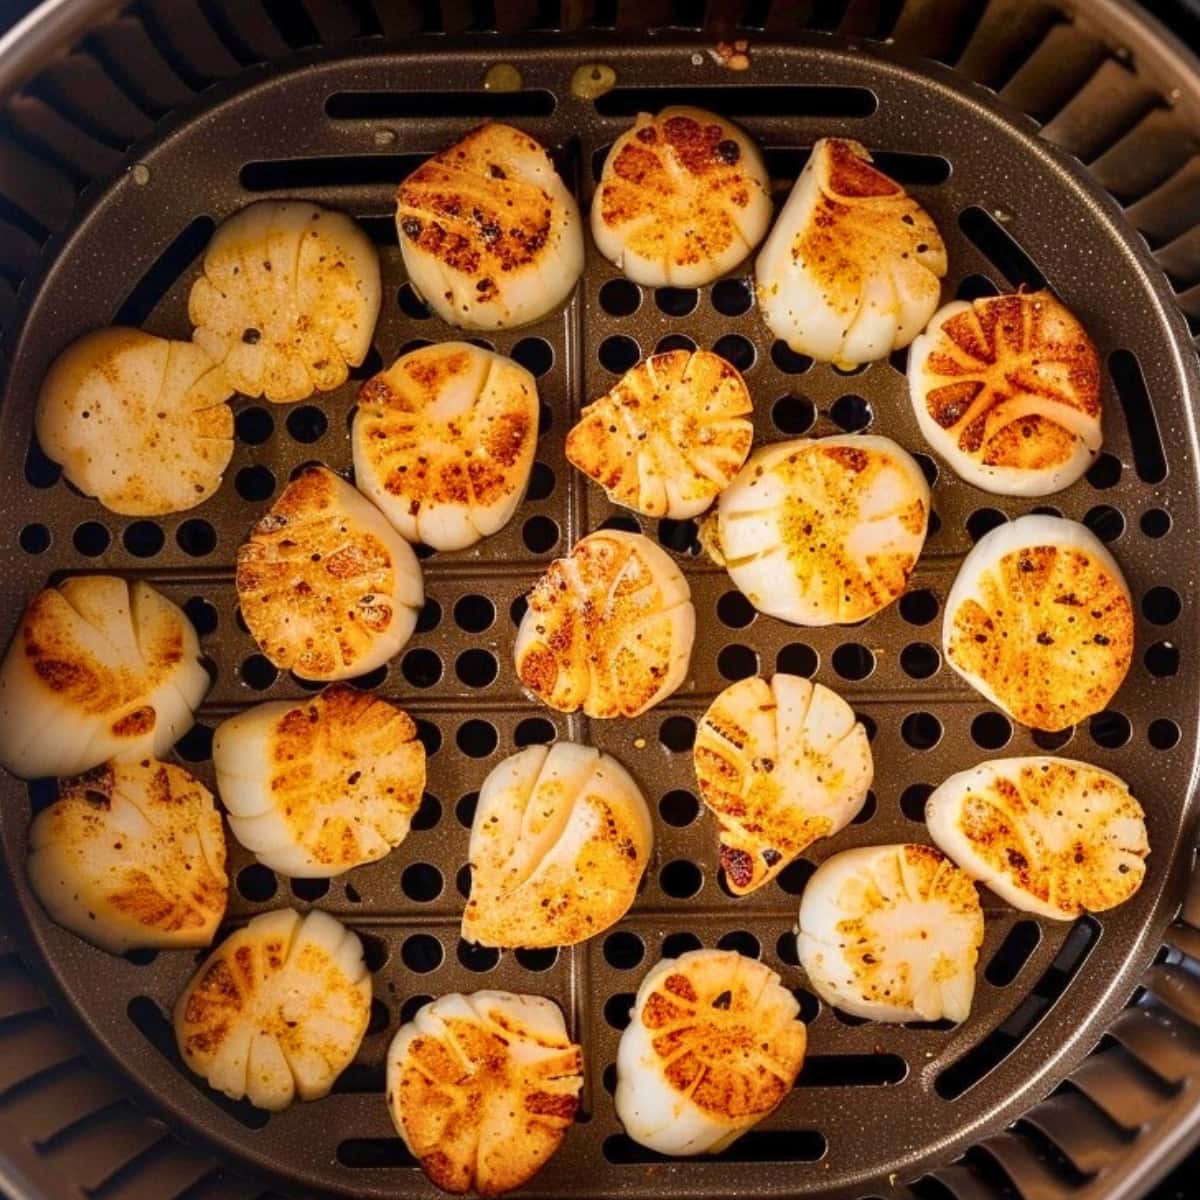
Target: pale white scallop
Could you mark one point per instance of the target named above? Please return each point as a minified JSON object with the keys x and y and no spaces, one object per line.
{"x":326,"y":586}
{"x":823,"y":531}
{"x":852,"y":268}
{"x":892,"y":933}
{"x":287,"y":300}
{"x":609,"y":628}
{"x":490,"y":234}
{"x":683,"y":198}
{"x":713,"y":1045}
{"x":1052,"y":836}
{"x":483,"y":1088}
{"x":131,"y":855}
{"x":140,"y":422}
{"x":1040,"y":621}
{"x":315,"y":788}
{"x":98,"y":669}
{"x":779,"y":765}
{"x":444,"y":442}
{"x":278,"y":1010}
{"x":1007,"y":390}
{"x":560,"y":840}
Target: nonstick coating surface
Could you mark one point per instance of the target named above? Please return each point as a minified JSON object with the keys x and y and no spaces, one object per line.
{"x":872,"y":1099}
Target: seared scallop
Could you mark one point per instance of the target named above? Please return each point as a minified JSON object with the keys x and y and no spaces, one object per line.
{"x":609,"y":628}
{"x":98,"y":669}
{"x":1051,"y":836}
{"x":1007,"y":390}
{"x":684,"y":197}
{"x":780,"y":765}
{"x":560,"y":839}
{"x":315,"y":788}
{"x":140,"y":422}
{"x":892,"y":933}
{"x":824,"y":531}
{"x":1040,"y":621}
{"x":131,"y":855}
{"x":670,"y":435}
{"x":490,"y":234}
{"x":278,"y":1010}
{"x":444,"y":442}
{"x":483,"y":1088}
{"x":714,"y":1044}
{"x":288,"y":299}
{"x":853,"y":266}
{"x":326,"y":586}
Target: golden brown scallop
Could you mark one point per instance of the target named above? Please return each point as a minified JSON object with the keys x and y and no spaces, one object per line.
{"x":669,"y":437}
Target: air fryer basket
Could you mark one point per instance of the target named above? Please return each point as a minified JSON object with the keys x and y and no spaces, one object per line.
{"x":1051,"y":145}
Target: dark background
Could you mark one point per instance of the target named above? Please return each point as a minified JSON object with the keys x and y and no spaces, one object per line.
{"x":1182,"y":17}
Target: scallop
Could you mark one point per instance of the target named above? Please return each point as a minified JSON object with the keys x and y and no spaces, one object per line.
{"x":714,"y":1045}
{"x":483,"y":1088}
{"x":684,"y":198}
{"x":1040,"y":621}
{"x":1007,"y":390}
{"x":669,"y":437}
{"x":852,"y":269}
{"x":892,"y":933}
{"x":327,"y":588}
{"x":288,"y":299}
{"x":444,"y":442}
{"x":131,"y":855}
{"x":608,"y":629}
{"x":824,"y":531}
{"x":278,"y":1010}
{"x":560,"y":840}
{"x":140,"y":422}
{"x":779,"y":764}
{"x":316,"y":788}
{"x":98,"y":669}
{"x":490,"y":234}
{"x":1052,"y":836}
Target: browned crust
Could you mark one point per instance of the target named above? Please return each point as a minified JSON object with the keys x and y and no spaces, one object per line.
{"x":1053,"y":638}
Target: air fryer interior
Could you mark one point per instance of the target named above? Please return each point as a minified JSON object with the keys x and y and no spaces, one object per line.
{"x":341,"y":122}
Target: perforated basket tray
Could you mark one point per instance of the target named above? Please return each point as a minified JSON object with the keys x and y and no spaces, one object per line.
{"x":876,"y":1107}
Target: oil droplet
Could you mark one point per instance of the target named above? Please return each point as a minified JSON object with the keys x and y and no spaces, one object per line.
{"x":141,"y":174}
{"x":592,"y":80}
{"x":639,"y":743}
{"x":503,"y":77}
